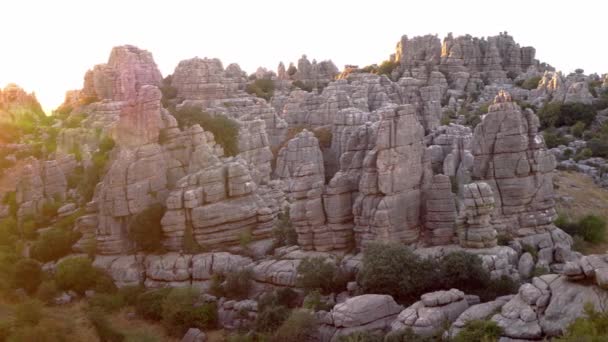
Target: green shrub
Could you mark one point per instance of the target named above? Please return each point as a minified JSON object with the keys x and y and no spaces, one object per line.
{"x":224,"y":129}
{"x":28,"y":313}
{"x":104,"y":329}
{"x":531,"y":83}
{"x":299,"y":326}
{"x":479,"y":331}
{"x":362,"y":336}
{"x":387,"y":68}
{"x":301,"y":85}
{"x":149,"y":304}
{"x":238,"y":284}
{"x":590,"y":228}
{"x":29,"y":228}
{"x":557,"y":115}
{"x":577,"y":129}
{"x":314,"y":301}
{"x":395,"y":270}
{"x":46,"y":331}
{"x":463,"y":271}
{"x":583,"y":154}
{"x":180,"y":313}
{"x":47,"y":291}
{"x":496,"y":288}
{"x":553,"y":138}
{"x":280,"y":297}
{"x":270,"y":318}
{"x":77,"y":274}
{"x":75,"y":120}
{"x":319,"y":274}
{"x":53,"y":244}
{"x":407,"y":335}
{"x":8,"y":231}
{"x":145,"y":228}
{"x":263,"y":88}
{"x":283,"y":233}
{"x":107,"y":302}
{"x":591,"y":327}
{"x":130,"y":293}
{"x":27,"y":275}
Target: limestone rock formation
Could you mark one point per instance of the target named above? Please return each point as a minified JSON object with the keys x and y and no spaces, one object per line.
{"x":388,"y":205}
{"x":434,"y":309}
{"x":510,"y":156}
{"x":474,"y":227}
{"x":439,"y":211}
{"x":368,"y":312}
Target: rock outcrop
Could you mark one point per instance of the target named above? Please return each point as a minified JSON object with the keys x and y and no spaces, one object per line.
{"x":474,"y":227}
{"x":510,"y":156}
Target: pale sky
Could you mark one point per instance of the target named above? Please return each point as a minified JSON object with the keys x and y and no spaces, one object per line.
{"x":47,"y":46}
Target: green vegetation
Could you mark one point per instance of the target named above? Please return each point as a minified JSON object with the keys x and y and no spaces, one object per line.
{"x":179,"y":312}
{"x":590,"y":228}
{"x":224,"y":129}
{"x":297,"y":327}
{"x":553,"y":138}
{"x":567,"y":114}
{"x":364,"y":336}
{"x":149,"y":304}
{"x":145,"y":229}
{"x":530,"y":83}
{"x":301,"y":85}
{"x":319,"y":274}
{"x":314,"y":301}
{"x":27,"y":275}
{"x":394,"y":269}
{"x":592,"y":328}
{"x":235,"y":285}
{"x":77,"y":274}
{"x":479,"y":331}
{"x":53,"y":244}
{"x":262,"y":88}
{"x":104,"y":330}
{"x":283,"y":233}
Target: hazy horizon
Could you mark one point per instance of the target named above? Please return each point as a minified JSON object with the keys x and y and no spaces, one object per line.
{"x":51,"y":45}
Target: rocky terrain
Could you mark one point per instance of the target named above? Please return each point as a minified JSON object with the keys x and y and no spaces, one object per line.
{"x":447,"y":147}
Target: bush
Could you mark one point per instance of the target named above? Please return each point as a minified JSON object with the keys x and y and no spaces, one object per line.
{"x":463,"y":271}
{"x":593,"y":327}
{"x":77,"y":274}
{"x":263,"y":88}
{"x":107,"y":302}
{"x":271,"y":318}
{"x":395,"y":270}
{"x":180,"y":313}
{"x":387,"y":68}
{"x":28,"y":313}
{"x":224,"y":129}
{"x":567,"y":114}
{"x":590,"y":228}
{"x":130,"y":293}
{"x":298,"y":327}
{"x":47,"y":291}
{"x":319,"y":274}
{"x":149,"y":304}
{"x":314,"y":301}
{"x":553,"y":138}
{"x":145,"y":228}
{"x":362,"y":336}
{"x":407,"y":335}
{"x":28,"y":275}
{"x":479,"y":331}
{"x":283,"y":233}
{"x":279,"y":297}
{"x":46,"y":331}
{"x":577,"y":129}
{"x":531,"y":83}
{"x":104,"y":330}
{"x":238,"y":284}
{"x":53,"y":244}
{"x":583,"y":154}
{"x":8,"y":231}
{"x":301,"y":85}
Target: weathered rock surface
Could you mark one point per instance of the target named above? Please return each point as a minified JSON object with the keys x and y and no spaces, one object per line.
{"x":511,"y":157}
{"x":474,"y":227}
{"x":434,"y":309}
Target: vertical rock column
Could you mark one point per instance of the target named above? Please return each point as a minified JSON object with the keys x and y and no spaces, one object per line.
{"x":388,"y":205}
{"x":474,"y":227}
{"x":300,"y":166}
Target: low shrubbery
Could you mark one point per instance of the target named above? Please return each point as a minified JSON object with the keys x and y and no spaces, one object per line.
{"x":531,"y":83}
{"x":53,"y":244}
{"x":263,"y":88}
{"x":283,"y":233}
{"x":235,"y":284}
{"x":145,"y":229}
{"x":299,"y":326}
{"x":556,"y":114}
{"x":79,"y":275}
{"x":320,"y":274}
{"x":224,"y":129}
{"x":591,"y":228}
{"x":149,"y":304}
{"x":478,"y":330}
{"x":27,"y":275}
{"x":592,"y":327}
{"x":394,"y":269}
{"x":180,"y":311}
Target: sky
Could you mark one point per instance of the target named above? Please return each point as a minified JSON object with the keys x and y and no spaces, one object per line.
{"x":47,"y":46}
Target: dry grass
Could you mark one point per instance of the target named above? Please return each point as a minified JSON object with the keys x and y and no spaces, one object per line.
{"x":585,"y":198}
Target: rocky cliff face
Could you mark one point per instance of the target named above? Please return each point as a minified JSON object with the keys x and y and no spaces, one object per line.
{"x":511,"y":157}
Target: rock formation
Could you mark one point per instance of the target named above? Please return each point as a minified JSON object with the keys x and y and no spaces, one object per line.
{"x":510,"y":156}
{"x":474,"y":227}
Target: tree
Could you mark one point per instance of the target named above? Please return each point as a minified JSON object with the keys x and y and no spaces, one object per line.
{"x":146,"y":230}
